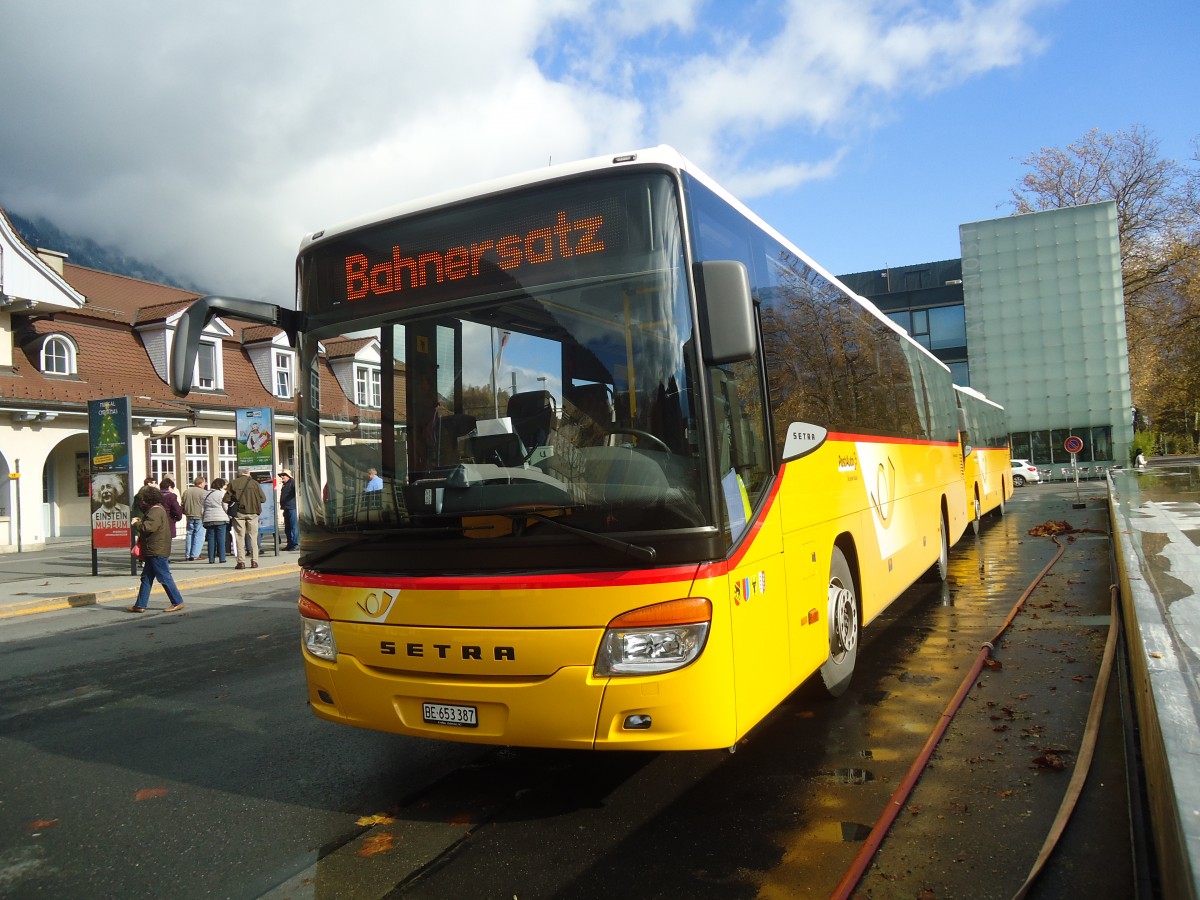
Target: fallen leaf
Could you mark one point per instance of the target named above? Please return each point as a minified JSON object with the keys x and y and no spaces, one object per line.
{"x":150,"y":793}
{"x":1049,"y":761}
{"x":377,"y":819}
{"x":42,"y":824}
{"x":375,"y":844}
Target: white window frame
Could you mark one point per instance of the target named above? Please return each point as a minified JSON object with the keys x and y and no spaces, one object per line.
{"x":162,"y":458}
{"x":284,"y":378}
{"x":368,"y":384}
{"x":67,"y":356}
{"x":195,"y":457}
{"x":217,"y":382}
{"x":227,"y":458}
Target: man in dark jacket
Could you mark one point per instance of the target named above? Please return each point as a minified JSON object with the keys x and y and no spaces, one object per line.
{"x":248,"y":494}
{"x":287,"y":502}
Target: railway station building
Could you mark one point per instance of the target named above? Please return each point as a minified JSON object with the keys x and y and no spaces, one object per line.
{"x":1032,"y":315}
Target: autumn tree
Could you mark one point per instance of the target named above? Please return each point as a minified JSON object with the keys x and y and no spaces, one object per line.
{"x":1158,"y":224}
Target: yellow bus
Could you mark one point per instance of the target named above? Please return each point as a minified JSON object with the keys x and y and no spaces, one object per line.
{"x":987,"y":472}
{"x":592,"y":457}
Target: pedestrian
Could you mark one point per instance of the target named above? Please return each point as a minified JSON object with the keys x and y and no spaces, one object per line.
{"x":248,"y":494}
{"x":192,"y":502}
{"x":287,"y":502}
{"x":139,"y":497}
{"x":170,"y":502}
{"x":154,"y":542}
{"x":1141,"y":460}
{"x":216,"y":520}
{"x":374,"y":482}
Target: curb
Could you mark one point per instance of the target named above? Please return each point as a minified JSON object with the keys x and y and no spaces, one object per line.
{"x":94,"y":598}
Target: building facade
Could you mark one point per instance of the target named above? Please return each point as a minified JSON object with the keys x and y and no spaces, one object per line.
{"x":1032,"y":315}
{"x":70,"y":334}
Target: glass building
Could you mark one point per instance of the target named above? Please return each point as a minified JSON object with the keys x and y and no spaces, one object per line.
{"x":1033,"y":315}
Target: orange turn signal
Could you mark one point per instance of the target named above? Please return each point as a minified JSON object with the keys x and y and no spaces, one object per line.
{"x":310,"y":610}
{"x":685,"y":611}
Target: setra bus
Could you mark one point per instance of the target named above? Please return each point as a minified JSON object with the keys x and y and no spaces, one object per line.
{"x":640,"y":467}
{"x":987,"y":472}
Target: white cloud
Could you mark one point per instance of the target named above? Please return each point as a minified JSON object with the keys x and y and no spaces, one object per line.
{"x":830,"y":67}
{"x":209,"y":140}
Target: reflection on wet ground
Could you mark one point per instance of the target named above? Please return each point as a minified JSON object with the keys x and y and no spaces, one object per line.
{"x":786,"y":815}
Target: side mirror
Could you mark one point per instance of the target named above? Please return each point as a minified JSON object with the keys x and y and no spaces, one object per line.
{"x":727,"y":331}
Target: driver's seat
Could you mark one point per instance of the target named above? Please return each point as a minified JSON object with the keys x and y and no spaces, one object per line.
{"x":532,"y":416}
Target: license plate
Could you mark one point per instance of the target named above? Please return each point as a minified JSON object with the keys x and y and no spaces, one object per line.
{"x":448,"y":714}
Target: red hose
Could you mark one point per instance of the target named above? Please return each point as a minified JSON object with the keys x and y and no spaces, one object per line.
{"x":859,"y":867}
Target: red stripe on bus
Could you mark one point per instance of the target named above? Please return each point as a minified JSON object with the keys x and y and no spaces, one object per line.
{"x":556,"y":580}
{"x":880,"y":439}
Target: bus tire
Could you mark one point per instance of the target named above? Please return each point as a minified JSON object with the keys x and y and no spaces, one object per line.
{"x":844,"y":629}
{"x":942,"y":567}
{"x":978,"y":513}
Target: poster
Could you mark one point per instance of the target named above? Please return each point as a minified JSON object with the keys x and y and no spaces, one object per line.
{"x":256,"y":452}
{"x":108,"y":453}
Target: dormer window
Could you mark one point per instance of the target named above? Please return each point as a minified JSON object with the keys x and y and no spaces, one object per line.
{"x":367,"y":386}
{"x":284,"y":376}
{"x":58,"y":355}
{"x":208,"y":367}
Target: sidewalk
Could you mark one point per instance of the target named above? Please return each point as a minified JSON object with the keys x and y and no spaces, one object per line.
{"x":69,"y":581}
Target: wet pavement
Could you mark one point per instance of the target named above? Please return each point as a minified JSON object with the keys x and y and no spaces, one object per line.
{"x":1157,"y":516}
{"x":789,"y":813}
{"x":60,"y":576}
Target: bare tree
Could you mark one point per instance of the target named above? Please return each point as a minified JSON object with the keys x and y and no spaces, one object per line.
{"x":1158,"y":200}
{"x":1158,"y":224}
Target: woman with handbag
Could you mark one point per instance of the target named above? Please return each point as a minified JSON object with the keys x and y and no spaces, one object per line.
{"x":154,"y":542}
{"x":216,"y":520}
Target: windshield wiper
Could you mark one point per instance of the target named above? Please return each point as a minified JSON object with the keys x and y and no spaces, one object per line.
{"x":635,"y":551}
{"x":354,"y":539}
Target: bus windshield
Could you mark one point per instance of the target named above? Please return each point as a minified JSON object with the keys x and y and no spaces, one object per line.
{"x":513,"y":410}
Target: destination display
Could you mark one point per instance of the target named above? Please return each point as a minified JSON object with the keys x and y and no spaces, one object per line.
{"x":557,"y":234}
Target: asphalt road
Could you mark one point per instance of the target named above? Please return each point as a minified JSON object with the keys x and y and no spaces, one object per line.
{"x":175,"y":757}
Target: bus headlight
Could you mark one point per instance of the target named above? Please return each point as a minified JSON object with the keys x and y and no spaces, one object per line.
{"x":655,"y":639}
{"x":316,"y":630}
{"x":318,"y":639}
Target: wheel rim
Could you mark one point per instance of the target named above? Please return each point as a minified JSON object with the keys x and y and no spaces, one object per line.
{"x":843,"y":619}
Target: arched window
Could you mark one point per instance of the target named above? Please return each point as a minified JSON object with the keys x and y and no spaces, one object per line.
{"x":58,"y":355}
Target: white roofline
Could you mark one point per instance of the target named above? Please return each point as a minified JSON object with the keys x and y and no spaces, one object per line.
{"x":663,"y":155}
{"x":30,"y":256}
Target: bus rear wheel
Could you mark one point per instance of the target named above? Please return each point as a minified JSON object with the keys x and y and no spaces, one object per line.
{"x":843,"y":627}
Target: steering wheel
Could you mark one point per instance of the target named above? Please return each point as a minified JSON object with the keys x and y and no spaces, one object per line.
{"x":637,"y":432}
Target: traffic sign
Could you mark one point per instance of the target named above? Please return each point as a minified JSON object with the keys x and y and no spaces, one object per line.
{"x":1073,"y":444}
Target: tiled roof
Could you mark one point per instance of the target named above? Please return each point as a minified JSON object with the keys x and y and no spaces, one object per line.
{"x":112,"y":360}
{"x":120,"y":298}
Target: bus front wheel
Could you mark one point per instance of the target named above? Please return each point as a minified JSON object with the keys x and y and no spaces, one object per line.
{"x":843,"y":627}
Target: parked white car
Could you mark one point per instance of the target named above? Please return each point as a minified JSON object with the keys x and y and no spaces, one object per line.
{"x":1024,"y":471}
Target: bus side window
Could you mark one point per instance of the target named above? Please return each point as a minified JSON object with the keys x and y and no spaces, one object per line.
{"x":738,"y":422}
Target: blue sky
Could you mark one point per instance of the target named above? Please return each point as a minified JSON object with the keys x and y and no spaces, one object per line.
{"x":209,"y":140}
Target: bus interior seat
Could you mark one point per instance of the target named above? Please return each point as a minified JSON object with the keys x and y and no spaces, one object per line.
{"x":532,"y":415}
{"x":593,"y":407}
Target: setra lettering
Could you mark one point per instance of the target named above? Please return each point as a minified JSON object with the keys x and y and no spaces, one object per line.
{"x":467,"y":651}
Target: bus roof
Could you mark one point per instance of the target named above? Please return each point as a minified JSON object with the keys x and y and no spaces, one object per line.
{"x":662,"y":155}
{"x":971,"y":392}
